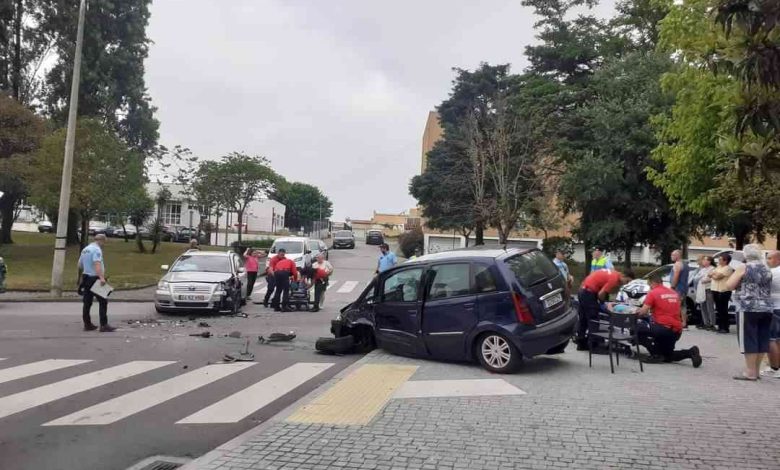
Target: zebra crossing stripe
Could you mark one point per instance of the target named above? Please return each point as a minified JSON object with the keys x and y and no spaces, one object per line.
{"x":347,"y":287}
{"x":27,"y":399}
{"x":35,"y":368}
{"x":242,"y":404}
{"x":129,"y":404}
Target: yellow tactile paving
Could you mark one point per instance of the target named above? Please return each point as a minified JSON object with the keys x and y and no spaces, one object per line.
{"x":357,"y":398}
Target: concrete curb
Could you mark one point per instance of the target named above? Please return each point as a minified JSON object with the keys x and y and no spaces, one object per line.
{"x":58,"y":300}
{"x":237,"y":441}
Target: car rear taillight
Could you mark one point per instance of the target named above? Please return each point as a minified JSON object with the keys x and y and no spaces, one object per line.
{"x":522,"y":311}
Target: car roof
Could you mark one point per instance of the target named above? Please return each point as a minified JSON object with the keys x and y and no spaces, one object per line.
{"x":469,"y":253}
{"x":291,"y":239}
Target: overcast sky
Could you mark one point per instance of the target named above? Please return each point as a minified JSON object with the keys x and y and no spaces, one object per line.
{"x":334,"y":93}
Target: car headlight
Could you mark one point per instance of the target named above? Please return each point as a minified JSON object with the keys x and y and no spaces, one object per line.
{"x":163,"y":285}
{"x":298,"y":259}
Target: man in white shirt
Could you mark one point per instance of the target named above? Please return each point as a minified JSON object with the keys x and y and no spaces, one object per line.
{"x":774,"y":339}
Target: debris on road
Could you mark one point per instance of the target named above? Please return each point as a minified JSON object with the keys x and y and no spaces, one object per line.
{"x":234,"y":334}
{"x":276,"y":337}
{"x":205,"y":334}
{"x":203,"y":324}
{"x":244,"y":356}
{"x":338,"y":346}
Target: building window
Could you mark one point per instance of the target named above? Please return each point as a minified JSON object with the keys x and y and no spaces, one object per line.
{"x":171,"y":213}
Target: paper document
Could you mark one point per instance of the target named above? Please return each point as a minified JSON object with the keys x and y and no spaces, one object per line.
{"x":102,"y":291}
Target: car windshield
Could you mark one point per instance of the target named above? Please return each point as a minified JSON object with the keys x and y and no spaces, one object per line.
{"x":203,"y":264}
{"x":532,"y":268}
{"x":664,"y":271}
{"x":343,"y":234}
{"x":289,"y":247}
{"x":314,"y":246}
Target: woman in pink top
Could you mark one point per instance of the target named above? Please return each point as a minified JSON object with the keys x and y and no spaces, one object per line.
{"x":252,"y":266}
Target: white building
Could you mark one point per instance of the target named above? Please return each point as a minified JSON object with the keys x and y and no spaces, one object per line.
{"x":265,"y":216}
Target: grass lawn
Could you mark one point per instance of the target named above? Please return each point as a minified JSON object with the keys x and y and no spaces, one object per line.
{"x":29,"y":262}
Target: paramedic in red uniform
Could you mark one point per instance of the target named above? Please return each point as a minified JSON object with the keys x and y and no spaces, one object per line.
{"x":660,"y":335}
{"x":593,"y":291}
{"x":284,"y":268}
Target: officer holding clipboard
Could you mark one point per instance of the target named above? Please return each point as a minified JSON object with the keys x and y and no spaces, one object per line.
{"x":93,"y":284}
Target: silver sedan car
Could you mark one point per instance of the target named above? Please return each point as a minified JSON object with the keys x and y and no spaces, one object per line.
{"x":202,"y":281}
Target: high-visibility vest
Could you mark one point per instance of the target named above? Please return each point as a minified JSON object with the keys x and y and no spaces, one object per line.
{"x":597,"y":264}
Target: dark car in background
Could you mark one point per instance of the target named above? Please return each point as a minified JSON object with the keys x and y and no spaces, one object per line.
{"x":343,"y":239}
{"x":184,"y":235}
{"x":494,"y":306}
{"x":374,"y":237}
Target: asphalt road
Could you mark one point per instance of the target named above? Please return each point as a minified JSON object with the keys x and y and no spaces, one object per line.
{"x":59,"y":413}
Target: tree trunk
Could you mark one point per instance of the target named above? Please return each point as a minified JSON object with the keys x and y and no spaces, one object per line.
{"x":741,"y":239}
{"x":240,"y":215}
{"x":7,"y":216}
{"x":629,"y":249}
{"x":588,"y":256}
{"x":17,"y":65}
{"x":479,"y":234}
{"x":138,"y":240}
{"x":84,"y":232}
{"x":73,"y":228}
{"x":685,"y":250}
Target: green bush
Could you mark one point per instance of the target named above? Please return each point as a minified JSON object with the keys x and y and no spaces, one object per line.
{"x":552,"y":244}
{"x":411,"y":241}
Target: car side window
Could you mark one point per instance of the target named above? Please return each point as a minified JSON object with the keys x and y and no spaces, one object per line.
{"x":483,"y":279}
{"x":402,"y":286}
{"x":449,"y":280}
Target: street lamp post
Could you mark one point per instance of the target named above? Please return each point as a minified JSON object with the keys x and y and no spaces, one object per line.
{"x":58,"y":267}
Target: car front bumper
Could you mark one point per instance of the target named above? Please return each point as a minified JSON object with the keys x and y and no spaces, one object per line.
{"x":343,"y":243}
{"x":165,"y":300}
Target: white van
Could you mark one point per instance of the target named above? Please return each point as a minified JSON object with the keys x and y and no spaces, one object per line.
{"x":296,"y":248}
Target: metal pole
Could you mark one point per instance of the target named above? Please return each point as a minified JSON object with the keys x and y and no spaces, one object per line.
{"x":58,"y":267}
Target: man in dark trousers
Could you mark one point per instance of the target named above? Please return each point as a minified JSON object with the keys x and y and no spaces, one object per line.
{"x":660,"y":335}
{"x":593,"y":291}
{"x":93,"y":270}
{"x":269,"y":276}
{"x":283,"y":269}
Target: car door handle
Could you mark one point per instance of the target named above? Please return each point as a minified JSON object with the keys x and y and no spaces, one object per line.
{"x":469,"y":306}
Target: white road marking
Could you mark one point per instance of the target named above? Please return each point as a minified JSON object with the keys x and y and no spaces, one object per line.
{"x":129,"y":404}
{"x":347,"y":287}
{"x":456,"y":388}
{"x":35,"y":368}
{"x":242,"y":404}
{"x":27,"y":399}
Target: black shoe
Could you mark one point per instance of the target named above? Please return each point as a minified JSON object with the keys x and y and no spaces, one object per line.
{"x":265,"y":304}
{"x":315,"y":309}
{"x":107,"y":329}
{"x":723,"y":332}
{"x":286,"y":309}
{"x":277,"y":309}
{"x":582,"y":347}
{"x":90,"y":327}
{"x":695,"y":356}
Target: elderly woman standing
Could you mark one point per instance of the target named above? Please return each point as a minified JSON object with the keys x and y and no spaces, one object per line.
{"x":704,"y":293}
{"x":753,"y":285}
{"x":721,"y":294}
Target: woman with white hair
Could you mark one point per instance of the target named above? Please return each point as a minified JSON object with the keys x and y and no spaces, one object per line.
{"x":752,"y":283}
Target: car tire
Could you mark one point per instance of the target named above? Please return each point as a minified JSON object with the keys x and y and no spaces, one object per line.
{"x":497,"y":354}
{"x":342,"y":345}
{"x":560,"y":349}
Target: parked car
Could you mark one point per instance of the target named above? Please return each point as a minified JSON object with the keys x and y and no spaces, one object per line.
{"x":374,"y":237}
{"x":3,"y":274}
{"x":202,"y":280}
{"x":343,"y":239}
{"x":128,"y":231}
{"x":45,"y":226}
{"x":184,"y":235}
{"x":316,"y":247}
{"x":296,"y":248}
{"x":491,"y":305}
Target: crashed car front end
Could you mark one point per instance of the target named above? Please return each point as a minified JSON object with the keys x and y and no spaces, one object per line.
{"x":189,"y":296}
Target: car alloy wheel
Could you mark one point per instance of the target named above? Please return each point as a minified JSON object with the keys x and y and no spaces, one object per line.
{"x":497,"y":354}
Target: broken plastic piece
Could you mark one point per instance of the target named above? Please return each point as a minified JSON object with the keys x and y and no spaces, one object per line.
{"x":203,"y":324}
{"x":205,"y":334}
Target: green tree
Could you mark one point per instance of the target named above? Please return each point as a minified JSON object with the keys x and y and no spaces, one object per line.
{"x":304,"y":203}
{"x":104,"y":172}
{"x":112,"y":86}
{"x":244,"y":179}
{"x":23,"y":49}
{"x":21,"y":132}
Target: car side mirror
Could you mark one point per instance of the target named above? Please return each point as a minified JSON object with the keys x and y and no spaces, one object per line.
{"x":241,"y":270}
{"x":308,"y":252}
{"x":164,"y":267}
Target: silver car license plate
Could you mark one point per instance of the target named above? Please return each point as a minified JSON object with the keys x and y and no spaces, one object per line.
{"x":192,"y":298}
{"x":554,"y":300}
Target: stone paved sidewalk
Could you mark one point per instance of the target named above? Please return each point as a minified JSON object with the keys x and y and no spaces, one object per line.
{"x":670,"y":416}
